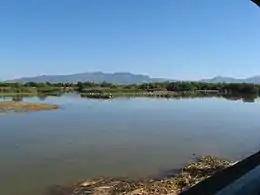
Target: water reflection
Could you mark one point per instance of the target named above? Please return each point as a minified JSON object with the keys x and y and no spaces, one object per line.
{"x":20,"y":97}
{"x":17,"y":98}
{"x":247,"y":98}
{"x":42,"y":97}
{"x":88,"y":139}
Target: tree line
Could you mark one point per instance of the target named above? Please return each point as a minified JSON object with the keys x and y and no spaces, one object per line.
{"x":82,"y":87}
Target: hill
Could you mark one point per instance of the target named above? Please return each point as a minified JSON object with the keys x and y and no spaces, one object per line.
{"x":96,"y":77}
{"x":219,"y":79}
{"x":123,"y":78}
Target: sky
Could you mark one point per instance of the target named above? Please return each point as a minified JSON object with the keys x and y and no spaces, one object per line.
{"x":179,"y":39}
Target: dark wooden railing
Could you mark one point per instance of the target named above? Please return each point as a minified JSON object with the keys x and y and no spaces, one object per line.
{"x":241,"y":178}
{"x":257,"y":2}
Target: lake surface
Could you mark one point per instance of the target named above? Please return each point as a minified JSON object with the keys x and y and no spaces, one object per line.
{"x":121,"y":137}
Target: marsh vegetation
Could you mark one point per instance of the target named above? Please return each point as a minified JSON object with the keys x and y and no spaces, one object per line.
{"x":108,"y":90}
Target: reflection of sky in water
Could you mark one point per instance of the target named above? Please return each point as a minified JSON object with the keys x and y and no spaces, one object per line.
{"x":121,"y":137}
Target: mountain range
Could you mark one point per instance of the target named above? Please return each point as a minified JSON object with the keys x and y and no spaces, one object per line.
{"x":122,"y":78}
{"x":219,"y":79}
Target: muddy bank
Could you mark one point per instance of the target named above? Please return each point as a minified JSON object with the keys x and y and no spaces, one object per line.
{"x":188,"y":176}
{"x":12,"y":106}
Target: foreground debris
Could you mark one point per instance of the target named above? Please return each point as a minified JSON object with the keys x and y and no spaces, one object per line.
{"x":189,"y":175}
{"x":12,"y":106}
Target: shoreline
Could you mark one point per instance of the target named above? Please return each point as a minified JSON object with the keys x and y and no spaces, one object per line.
{"x":188,"y":176}
{"x":164,"y":95}
{"x":154,"y":94}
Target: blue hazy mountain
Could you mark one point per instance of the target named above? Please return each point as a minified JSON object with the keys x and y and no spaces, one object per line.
{"x":96,"y":77}
{"x":123,"y":78}
{"x":219,"y":79}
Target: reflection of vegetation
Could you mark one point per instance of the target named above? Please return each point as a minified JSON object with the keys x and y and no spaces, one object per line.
{"x":17,"y":98}
{"x":53,"y":93}
{"x":42,"y":97}
{"x":244,"y":97}
{"x":97,"y":95}
{"x":248,"y":99}
{"x":244,"y":91}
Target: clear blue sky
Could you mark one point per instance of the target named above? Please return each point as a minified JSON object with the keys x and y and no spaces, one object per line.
{"x":183,"y":39}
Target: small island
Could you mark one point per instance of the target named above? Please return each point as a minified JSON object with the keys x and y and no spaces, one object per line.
{"x":12,"y":106}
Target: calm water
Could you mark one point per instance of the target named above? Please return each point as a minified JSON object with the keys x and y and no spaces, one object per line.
{"x":123,"y":137}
